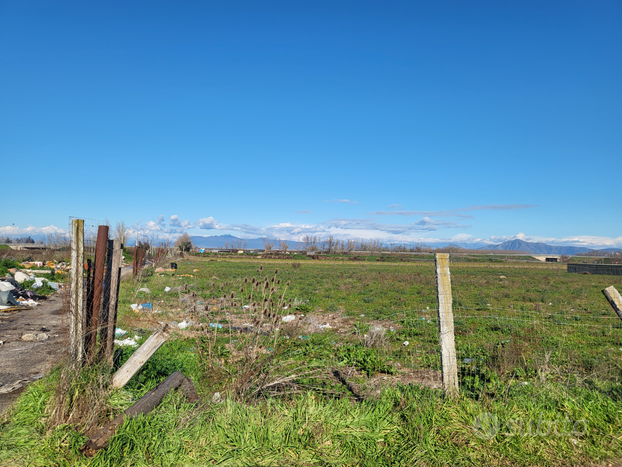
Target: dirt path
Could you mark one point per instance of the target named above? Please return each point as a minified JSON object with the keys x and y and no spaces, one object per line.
{"x":21,"y":361}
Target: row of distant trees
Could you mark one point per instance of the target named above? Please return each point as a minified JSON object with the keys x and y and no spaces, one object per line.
{"x":16,"y":240}
{"x":332,"y":245}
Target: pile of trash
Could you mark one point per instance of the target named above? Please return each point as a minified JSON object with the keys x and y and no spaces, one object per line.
{"x":13,"y":294}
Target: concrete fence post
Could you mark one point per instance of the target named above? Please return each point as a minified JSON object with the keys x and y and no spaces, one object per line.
{"x":446,"y":325}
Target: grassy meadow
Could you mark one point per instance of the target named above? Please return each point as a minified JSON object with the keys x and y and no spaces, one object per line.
{"x":354,"y":377}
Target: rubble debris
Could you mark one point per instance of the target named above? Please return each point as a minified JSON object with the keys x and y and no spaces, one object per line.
{"x":35,"y":337}
{"x":22,"y":277}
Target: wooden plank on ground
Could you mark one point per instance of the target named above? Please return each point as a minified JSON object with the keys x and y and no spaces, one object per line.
{"x":140,"y":357}
{"x":144,"y":405}
{"x":614,"y":298}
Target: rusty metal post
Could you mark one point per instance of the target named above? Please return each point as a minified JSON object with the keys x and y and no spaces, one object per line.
{"x":104,"y":314}
{"x":88,"y":312}
{"x":98,"y":282}
{"x":117,"y":259}
{"x":76,"y":316}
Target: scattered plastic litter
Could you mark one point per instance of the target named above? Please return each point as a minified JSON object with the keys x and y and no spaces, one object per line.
{"x":54,"y":285}
{"x":306,"y":338}
{"x":468,"y":360}
{"x":29,"y":302}
{"x":6,"y":286}
{"x":215,"y":325}
{"x":118,"y":332}
{"x":144,"y":289}
{"x":7,"y":298}
{"x":362,"y":316}
{"x":325,"y":326}
{"x":124,"y":342}
{"x":184,"y":324}
{"x":167,"y":289}
{"x":216,"y":398}
{"x":288,"y":318}
{"x":246,"y":306}
{"x":391,"y":329}
{"x":147,"y":306}
{"x":405,"y":343}
{"x":38,"y":283}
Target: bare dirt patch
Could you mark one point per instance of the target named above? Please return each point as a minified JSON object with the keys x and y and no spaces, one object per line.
{"x":24,"y":361}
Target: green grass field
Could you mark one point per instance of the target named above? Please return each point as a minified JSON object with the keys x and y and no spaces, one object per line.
{"x":539,"y":353}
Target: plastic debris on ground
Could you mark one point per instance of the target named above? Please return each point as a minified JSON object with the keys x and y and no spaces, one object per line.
{"x":7,"y":298}
{"x":124,"y":342}
{"x":405,"y":343}
{"x":144,"y":289}
{"x":184,"y":324}
{"x":216,"y":398}
{"x":6,"y":286}
{"x":167,"y":289}
{"x":288,"y":318}
{"x":306,"y":338}
{"x":118,"y":332}
{"x":27,"y":301}
{"x":215,"y":325}
{"x":325,"y":326}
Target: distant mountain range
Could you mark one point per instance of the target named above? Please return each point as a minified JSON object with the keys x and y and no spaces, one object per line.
{"x":540,"y":248}
{"x":219,"y":241}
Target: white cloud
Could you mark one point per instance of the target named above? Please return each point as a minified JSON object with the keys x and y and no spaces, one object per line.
{"x":10,"y":230}
{"x":393,"y":206}
{"x":208,"y":223}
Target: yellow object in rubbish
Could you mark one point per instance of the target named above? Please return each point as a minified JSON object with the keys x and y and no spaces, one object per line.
{"x":185,"y":275}
{"x":50,"y":264}
{"x":196,"y":270}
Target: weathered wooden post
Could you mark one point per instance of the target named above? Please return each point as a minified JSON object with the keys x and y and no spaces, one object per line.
{"x":614,"y":298}
{"x":117,"y":259}
{"x":449,"y":363}
{"x":140,"y":357}
{"x":76,"y":315}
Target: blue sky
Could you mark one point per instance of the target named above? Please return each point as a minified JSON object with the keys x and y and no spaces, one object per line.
{"x":406,"y":121}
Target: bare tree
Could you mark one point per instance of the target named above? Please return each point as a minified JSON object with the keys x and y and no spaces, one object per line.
{"x":268,"y":243}
{"x":350,"y":245}
{"x":120,"y":232}
{"x":240,"y":244}
{"x":283,"y":245}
